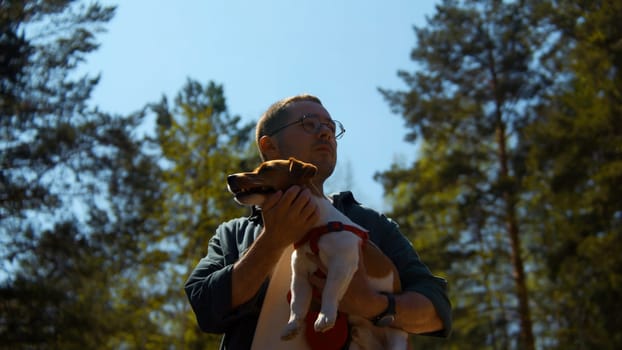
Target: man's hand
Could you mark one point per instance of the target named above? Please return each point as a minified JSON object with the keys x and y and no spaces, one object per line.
{"x":289,"y":215}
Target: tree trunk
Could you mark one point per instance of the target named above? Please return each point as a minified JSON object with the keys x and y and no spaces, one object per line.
{"x":526,"y":333}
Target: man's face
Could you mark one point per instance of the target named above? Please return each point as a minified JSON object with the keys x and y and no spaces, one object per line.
{"x":319,"y":149}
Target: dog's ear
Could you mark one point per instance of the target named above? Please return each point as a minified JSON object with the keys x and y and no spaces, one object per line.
{"x":301,"y":169}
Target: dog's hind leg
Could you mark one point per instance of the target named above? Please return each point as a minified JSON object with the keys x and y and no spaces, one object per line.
{"x":341,"y":259}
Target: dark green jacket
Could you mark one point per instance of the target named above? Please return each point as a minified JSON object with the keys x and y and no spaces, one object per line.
{"x":209,"y":285}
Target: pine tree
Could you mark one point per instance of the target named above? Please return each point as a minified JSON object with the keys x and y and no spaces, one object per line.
{"x":467,"y":104}
{"x":576,"y":169}
{"x":71,"y":179}
{"x":201,"y":144}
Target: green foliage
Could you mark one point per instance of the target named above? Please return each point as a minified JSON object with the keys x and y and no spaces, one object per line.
{"x":201,"y":145}
{"x":576,"y":171}
{"x":516,"y":110}
{"x":53,"y":285}
{"x":514,"y":197}
{"x":78,"y":191}
{"x":43,"y":109}
{"x":99,"y":224}
{"x":467,"y":105}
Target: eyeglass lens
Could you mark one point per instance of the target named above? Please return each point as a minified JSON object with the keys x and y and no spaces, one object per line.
{"x":312,"y":124}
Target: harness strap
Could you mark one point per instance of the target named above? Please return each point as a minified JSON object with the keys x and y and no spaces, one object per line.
{"x":335,"y":338}
{"x":314,"y":235}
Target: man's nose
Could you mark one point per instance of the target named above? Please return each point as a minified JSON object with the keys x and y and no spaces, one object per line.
{"x":325,"y":131}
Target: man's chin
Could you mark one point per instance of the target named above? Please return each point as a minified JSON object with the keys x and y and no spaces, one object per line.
{"x":325,"y":170}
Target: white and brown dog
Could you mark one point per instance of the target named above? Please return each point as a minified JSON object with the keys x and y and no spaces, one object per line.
{"x":337,"y":240}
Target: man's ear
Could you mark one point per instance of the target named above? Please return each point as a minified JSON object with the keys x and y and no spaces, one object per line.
{"x":268,"y":147}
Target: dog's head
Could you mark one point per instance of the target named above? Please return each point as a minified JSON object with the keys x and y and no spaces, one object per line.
{"x":251,"y":188}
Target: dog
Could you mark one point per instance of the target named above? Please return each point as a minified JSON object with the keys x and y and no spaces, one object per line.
{"x":337,"y":241}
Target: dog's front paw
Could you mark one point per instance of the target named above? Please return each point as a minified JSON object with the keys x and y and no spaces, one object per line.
{"x":324,"y":323}
{"x":291,"y":329}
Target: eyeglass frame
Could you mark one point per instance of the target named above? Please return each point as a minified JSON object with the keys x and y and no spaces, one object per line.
{"x":338,"y":126}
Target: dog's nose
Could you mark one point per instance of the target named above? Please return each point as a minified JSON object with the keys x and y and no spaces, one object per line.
{"x":230,"y":178}
{"x":231,"y":182}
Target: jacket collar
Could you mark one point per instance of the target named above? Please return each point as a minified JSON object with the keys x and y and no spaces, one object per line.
{"x":341,"y":201}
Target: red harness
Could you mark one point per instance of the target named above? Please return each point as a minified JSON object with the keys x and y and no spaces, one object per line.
{"x":337,"y":337}
{"x":313,"y":236}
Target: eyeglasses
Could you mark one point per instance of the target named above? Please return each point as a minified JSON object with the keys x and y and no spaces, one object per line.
{"x":312,"y":124}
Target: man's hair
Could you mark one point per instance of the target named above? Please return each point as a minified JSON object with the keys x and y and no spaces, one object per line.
{"x":276,"y":115}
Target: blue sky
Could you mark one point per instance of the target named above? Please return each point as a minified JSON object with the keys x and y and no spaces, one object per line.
{"x":262,"y":51}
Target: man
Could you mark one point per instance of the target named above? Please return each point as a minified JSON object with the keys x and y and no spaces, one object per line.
{"x":227,"y":287}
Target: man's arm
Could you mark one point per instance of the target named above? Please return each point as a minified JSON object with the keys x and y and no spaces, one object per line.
{"x":217,"y":291}
{"x":287,"y":217}
{"x":415,"y":313}
{"x":423,"y":307}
